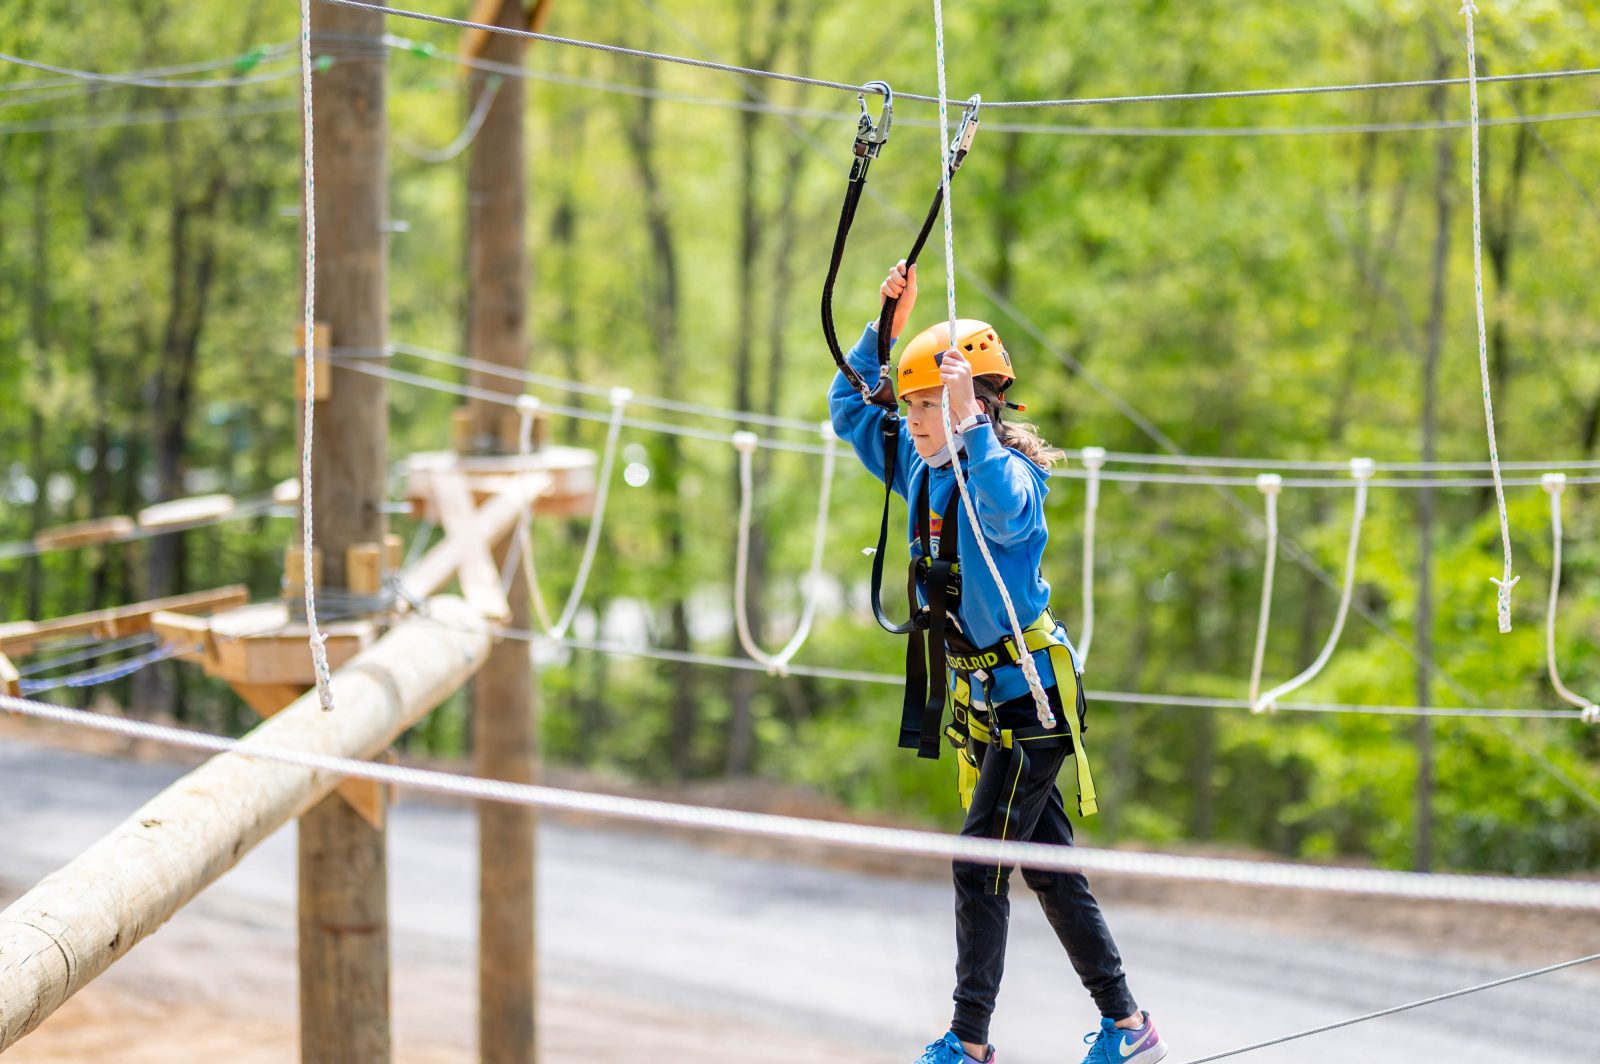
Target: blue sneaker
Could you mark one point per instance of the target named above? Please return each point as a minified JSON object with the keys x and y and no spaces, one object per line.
{"x":1117,"y":1045}
{"x":947,"y":1050}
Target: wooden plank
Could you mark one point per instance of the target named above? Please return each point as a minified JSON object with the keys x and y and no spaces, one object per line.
{"x":10,"y":681}
{"x":186,"y":630}
{"x":186,"y":511}
{"x":259,"y":644}
{"x":480,"y":580}
{"x":495,"y":520}
{"x":85,"y":533}
{"x":68,"y":929}
{"x":24,"y":637}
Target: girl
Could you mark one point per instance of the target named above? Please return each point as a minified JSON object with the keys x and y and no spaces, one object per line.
{"x":1014,"y":758}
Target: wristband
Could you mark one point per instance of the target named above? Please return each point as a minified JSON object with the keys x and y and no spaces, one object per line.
{"x":973,"y":422}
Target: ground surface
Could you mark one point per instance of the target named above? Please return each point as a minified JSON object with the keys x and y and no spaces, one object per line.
{"x":659,"y":946}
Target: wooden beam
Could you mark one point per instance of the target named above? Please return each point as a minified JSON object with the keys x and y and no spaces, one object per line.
{"x":186,"y":511}
{"x":24,"y":637}
{"x":10,"y":681}
{"x":495,"y":520}
{"x":364,"y":796}
{"x":473,"y":42}
{"x":77,"y":921}
{"x":85,"y":533}
{"x":480,"y":579}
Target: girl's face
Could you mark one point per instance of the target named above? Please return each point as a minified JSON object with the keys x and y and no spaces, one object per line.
{"x":923,"y":421}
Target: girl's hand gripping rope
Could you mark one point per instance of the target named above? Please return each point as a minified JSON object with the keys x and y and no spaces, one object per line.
{"x":901,"y":284}
{"x":956,"y":373}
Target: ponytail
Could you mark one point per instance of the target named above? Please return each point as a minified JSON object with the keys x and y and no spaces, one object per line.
{"x":1018,"y":435}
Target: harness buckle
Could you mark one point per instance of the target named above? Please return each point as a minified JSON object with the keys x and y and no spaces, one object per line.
{"x":968,"y":129}
{"x":872,"y":136}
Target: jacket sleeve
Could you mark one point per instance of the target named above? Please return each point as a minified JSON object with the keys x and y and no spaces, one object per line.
{"x":1007,"y":495}
{"x":858,"y":422}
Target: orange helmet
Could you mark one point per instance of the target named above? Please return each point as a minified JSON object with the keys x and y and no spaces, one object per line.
{"x":977,"y":340}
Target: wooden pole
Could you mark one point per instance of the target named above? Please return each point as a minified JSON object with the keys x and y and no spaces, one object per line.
{"x":504,"y":735}
{"x":344,"y":924}
{"x":70,"y":927}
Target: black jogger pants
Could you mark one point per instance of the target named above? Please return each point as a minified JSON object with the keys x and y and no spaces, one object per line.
{"x":983,"y":908}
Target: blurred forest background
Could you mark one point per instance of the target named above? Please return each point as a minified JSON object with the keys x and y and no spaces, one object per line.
{"x":1289,"y":292}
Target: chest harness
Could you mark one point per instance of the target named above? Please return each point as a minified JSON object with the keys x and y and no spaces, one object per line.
{"x":936,"y":647}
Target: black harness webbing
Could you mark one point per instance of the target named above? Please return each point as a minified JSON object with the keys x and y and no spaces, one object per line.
{"x":922,"y":710}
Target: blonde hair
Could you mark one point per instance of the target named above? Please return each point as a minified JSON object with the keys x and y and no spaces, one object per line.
{"x":1019,"y":435}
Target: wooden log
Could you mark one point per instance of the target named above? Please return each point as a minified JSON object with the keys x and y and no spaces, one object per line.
{"x":85,"y":533}
{"x":504,"y":726}
{"x":186,"y":511}
{"x":24,"y":637}
{"x":77,"y":921}
{"x":364,"y":796}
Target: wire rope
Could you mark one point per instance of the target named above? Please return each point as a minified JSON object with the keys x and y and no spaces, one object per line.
{"x":1491,"y":890}
{"x":853,"y":89}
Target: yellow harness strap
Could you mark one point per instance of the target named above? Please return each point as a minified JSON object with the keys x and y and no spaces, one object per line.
{"x":1040,"y":635}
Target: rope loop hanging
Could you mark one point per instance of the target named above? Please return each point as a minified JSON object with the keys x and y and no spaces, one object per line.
{"x":1554,"y":485}
{"x":1270,"y":485}
{"x":1094,"y":459}
{"x":1361,"y":469}
{"x":569,"y":610}
{"x":318,"y":641}
{"x":778,"y":664}
{"x":1506,"y":581}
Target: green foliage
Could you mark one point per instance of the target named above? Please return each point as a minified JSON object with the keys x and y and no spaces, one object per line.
{"x":1261,"y":295}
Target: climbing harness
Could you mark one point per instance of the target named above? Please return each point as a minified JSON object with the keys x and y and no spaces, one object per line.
{"x":930,"y":690}
{"x":1555,"y":484}
{"x":778,"y":664}
{"x":1361,"y":469}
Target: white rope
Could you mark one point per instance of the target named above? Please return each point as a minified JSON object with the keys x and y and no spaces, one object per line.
{"x":608,"y":461}
{"x":319,"y":652}
{"x":1093,"y":459}
{"x":1507,"y":581}
{"x":1492,"y":890}
{"x":1361,"y":470}
{"x":1041,"y":700}
{"x":778,"y":664}
{"x":1269,"y":484}
{"x":1555,"y":484}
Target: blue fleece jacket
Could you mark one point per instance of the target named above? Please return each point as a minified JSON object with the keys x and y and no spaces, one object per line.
{"x":1008,"y":492}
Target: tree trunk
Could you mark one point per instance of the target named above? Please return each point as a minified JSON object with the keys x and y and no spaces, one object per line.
{"x":1422,"y":846}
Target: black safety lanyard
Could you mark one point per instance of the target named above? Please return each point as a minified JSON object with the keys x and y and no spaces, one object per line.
{"x":927,"y":672}
{"x":925,"y":666}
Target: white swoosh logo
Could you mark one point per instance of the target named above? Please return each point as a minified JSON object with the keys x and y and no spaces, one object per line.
{"x":1129,"y":1050}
